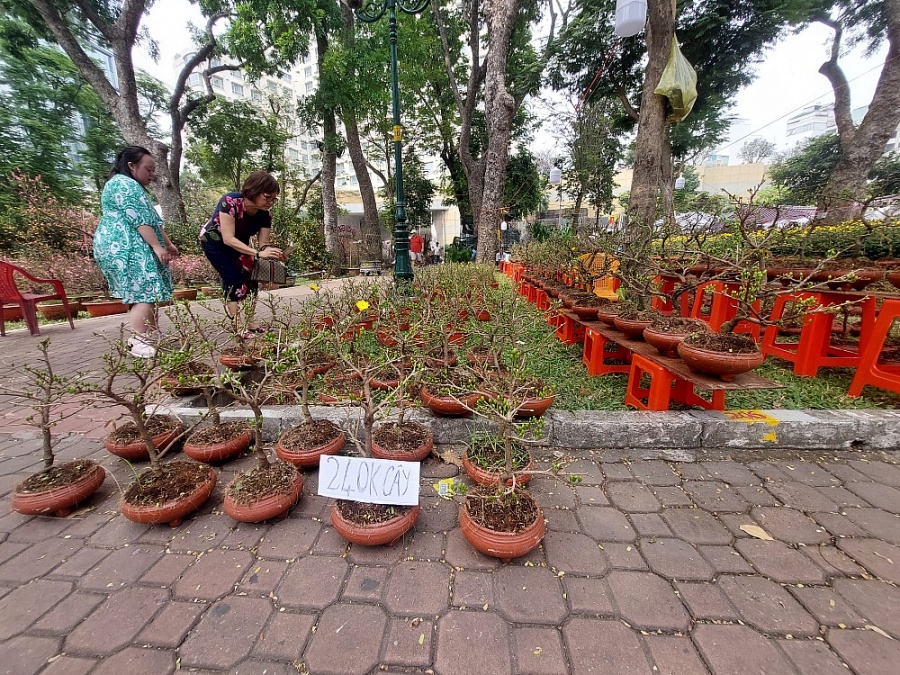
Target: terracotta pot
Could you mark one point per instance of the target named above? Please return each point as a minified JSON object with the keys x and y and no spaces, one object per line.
{"x":503,"y":545}
{"x":451,"y":361}
{"x":665,"y":343}
{"x":211,"y":291}
{"x":608,"y":317}
{"x":483,"y":477}
{"x":893,"y":278}
{"x":586,"y":312}
{"x":219,"y":452}
{"x":309,"y":458}
{"x":385,"y":339}
{"x":483,"y":315}
{"x":55,"y":311}
{"x":60,"y":500}
{"x":632,"y":328}
{"x":388,"y":532}
{"x":185,"y":293}
{"x":535,"y":407}
{"x":724,"y":364}
{"x":270,"y":506}
{"x":865,"y":278}
{"x":416,"y":455}
{"x":137,"y":451}
{"x":105,"y":307}
{"x":449,"y":405}
{"x":171,"y":385}
{"x":385,"y":385}
{"x":234,"y":362}
{"x":12,"y":313}
{"x":174,"y":511}
{"x":456,"y":337}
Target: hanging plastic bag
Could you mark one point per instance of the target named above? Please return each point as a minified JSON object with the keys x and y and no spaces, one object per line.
{"x":678,"y":84}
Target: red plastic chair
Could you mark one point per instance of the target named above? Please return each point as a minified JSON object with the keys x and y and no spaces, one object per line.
{"x":10,"y":294}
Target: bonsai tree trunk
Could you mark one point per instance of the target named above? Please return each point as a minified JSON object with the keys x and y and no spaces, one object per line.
{"x":262,"y":462}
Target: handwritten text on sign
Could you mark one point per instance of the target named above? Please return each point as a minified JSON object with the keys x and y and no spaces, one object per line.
{"x":361,"y":479}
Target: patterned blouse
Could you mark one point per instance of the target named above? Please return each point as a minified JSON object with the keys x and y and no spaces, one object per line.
{"x":245,"y":225}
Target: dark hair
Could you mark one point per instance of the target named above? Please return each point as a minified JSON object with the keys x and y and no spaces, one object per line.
{"x":257,"y":183}
{"x":130,"y":154}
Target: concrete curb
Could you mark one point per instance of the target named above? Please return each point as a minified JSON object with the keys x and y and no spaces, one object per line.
{"x":678,"y":436}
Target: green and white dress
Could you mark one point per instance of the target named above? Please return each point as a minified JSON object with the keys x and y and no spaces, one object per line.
{"x":130,"y":266}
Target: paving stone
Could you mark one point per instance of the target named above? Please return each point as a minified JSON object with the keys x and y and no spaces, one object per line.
{"x":214,"y":575}
{"x":168,"y":569}
{"x":672,"y":496}
{"x":437,"y":515}
{"x":615,"y":471}
{"x":38,"y":529}
{"x":844,"y":472}
{"x":625,"y":557}
{"x":481,"y":636}
{"x":26,"y":654}
{"x":10,"y":550}
{"x":37,"y":560}
{"x":409,"y":643}
{"x":172,"y":624}
{"x":603,"y":646}
{"x":262,"y":577}
{"x":843,"y":497}
{"x":802,"y":497}
{"x":117,"y":532}
{"x":725,"y":560}
{"x":880,"y":496}
{"x":813,"y":656}
{"x":877,"y":523}
{"x":285,"y":637}
{"x":866,"y":652}
{"x":552,"y":493}
{"x":121,"y":567}
{"x":116,"y":622}
{"x":650,"y":525}
{"x":69,"y":665}
{"x":707,"y":601}
{"x":68,"y":613}
{"x":472,"y":588}
{"x":292,"y":538}
{"x":789,"y":525}
{"x":886,"y":474}
{"x":133,"y":660}
{"x":655,"y":473}
{"x":246,"y":535}
{"x":591,"y":597}
{"x":833,"y":561}
{"x":738,"y":650}
{"x":605,"y":524}
{"x":79,"y":564}
{"x":418,"y":588}
{"x":366,"y":584}
{"x":591,"y":495}
{"x":202,"y":534}
{"x":880,"y":558}
{"x":715,"y":496}
{"x":733,"y":473}
{"x":461,"y":555}
{"x":876,"y":601}
{"x":756,"y":495}
{"x":777,"y":561}
{"x":828,"y":608}
{"x":807,"y":473}
{"x":632,"y":497}
{"x":647,"y":602}
{"x":768,"y":471}
{"x":838,"y":525}
{"x":561,"y":520}
{"x":574,"y":553}
{"x":313,"y":581}
{"x":375,"y":555}
{"x":26,"y":604}
{"x":539,"y":651}
{"x":696,"y":526}
{"x":674,"y":655}
{"x":676,"y":559}
{"x":426,"y":546}
{"x":518,"y":590}
{"x":226,"y":633}
{"x":767,"y":606}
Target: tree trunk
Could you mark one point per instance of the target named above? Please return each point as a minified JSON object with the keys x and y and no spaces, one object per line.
{"x":651,"y":134}
{"x":370,"y":228}
{"x":329,"y":164}
{"x":845,"y":192}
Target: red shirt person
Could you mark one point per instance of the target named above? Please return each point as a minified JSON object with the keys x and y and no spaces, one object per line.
{"x":416,"y":247}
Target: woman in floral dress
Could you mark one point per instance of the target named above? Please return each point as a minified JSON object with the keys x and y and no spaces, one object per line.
{"x":131,"y":247}
{"x":225,"y":238}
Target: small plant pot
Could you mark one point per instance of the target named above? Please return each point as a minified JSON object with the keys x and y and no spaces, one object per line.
{"x":211,"y":291}
{"x":416,"y":455}
{"x":185,"y":293}
{"x":632,"y":328}
{"x":385,"y":339}
{"x":449,"y":406}
{"x":535,"y":407}
{"x":586,"y":312}
{"x":378,"y":534}
{"x":504,"y":545}
{"x":492,"y":479}
{"x":215,"y":453}
{"x":234,"y":362}
{"x":59,"y":501}
{"x":173,"y":511}
{"x":97,"y":308}
{"x":264,"y":508}
{"x":665,"y":343}
{"x":12,"y":313}
{"x":607,"y":315}
{"x":724,"y":364}
{"x":54,"y":311}
{"x":309,"y":457}
{"x":137,"y":450}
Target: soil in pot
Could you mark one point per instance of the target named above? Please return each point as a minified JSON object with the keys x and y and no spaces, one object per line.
{"x":408,"y":442}
{"x":608,"y":313}
{"x":504,"y":526}
{"x":260,"y":494}
{"x":58,"y":488}
{"x":722,"y":354}
{"x":372,"y":524}
{"x":169,"y":493}
{"x":304,"y":444}
{"x":126,"y":441}
{"x":666,"y":332}
{"x":219,"y":442}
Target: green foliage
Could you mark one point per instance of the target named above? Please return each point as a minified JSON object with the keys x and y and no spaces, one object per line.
{"x":456,"y":253}
{"x":805,"y":173}
{"x":886,"y":176}
{"x":756,"y":150}
{"x":523,"y":192}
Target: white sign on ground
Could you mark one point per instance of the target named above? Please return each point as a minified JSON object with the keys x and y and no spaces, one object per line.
{"x":364,"y":479}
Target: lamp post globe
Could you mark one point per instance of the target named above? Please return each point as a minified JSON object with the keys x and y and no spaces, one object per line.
{"x":369,"y":11}
{"x":555,"y":178}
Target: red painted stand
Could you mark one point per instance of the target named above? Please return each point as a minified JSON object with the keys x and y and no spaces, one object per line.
{"x":595,"y":354}
{"x":665,"y":387}
{"x":569,"y":331}
{"x":814,"y":349}
{"x":541,"y":299}
{"x":667,"y":285}
{"x":870,"y":371}
{"x":723,"y":307}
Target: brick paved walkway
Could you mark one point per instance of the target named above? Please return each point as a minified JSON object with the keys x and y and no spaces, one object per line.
{"x":644,"y":569}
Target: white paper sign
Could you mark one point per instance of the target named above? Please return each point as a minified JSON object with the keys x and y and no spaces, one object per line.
{"x":364,"y":479}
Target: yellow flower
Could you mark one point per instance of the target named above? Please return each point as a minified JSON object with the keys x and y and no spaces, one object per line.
{"x":362,"y":305}
{"x":313,"y":287}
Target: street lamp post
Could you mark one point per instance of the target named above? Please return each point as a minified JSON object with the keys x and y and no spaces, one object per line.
{"x":556,"y":179}
{"x":369,"y":11}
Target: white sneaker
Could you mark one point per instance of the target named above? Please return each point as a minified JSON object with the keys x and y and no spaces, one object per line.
{"x":139,"y":348}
